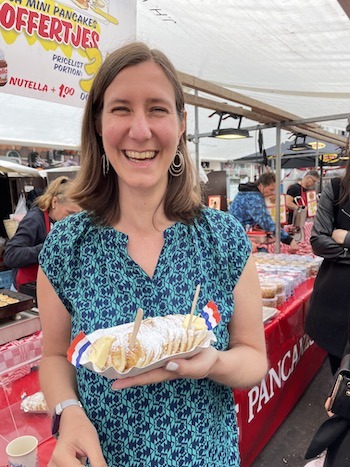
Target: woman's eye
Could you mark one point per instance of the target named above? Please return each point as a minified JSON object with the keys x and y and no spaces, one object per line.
{"x":120,"y":110}
{"x":158,"y":110}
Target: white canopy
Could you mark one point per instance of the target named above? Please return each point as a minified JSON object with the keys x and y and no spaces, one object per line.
{"x":15,"y":169}
{"x":294,"y":55}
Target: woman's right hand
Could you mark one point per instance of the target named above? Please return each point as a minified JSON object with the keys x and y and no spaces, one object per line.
{"x":339,"y":235}
{"x":77,"y":441}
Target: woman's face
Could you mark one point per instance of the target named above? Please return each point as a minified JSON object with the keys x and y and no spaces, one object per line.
{"x":140,"y":126}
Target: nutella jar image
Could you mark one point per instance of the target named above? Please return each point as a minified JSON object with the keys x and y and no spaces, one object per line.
{"x":3,"y":69}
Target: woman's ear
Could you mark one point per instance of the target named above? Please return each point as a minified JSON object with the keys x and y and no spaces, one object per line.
{"x":54,"y":202}
{"x":183,"y":123}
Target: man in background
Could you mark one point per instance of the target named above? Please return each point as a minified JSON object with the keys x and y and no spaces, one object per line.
{"x":250,"y":209}
{"x":299,"y":190}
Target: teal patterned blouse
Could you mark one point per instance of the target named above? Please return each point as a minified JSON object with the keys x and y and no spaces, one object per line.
{"x":189,"y":423}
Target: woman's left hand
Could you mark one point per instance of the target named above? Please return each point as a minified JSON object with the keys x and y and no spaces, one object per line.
{"x":196,"y":367}
{"x":327,"y":405}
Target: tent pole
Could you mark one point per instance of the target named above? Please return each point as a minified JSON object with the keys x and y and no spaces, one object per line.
{"x":196,"y":140}
{"x":321,"y":173}
{"x":278,"y":187}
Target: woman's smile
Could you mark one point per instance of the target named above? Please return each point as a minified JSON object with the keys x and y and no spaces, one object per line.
{"x":140,"y":156}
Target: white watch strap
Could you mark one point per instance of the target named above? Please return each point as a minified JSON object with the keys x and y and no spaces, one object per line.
{"x":67,"y":403}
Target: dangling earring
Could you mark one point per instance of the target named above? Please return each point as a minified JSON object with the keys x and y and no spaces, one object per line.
{"x":177,"y":168}
{"x":105,"y":164}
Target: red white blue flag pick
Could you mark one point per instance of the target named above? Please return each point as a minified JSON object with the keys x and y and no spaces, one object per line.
{"x":211,"y":315}
{"x":77,"y":347}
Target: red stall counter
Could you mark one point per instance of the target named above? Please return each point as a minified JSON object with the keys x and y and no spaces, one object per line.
{"x":294,"y":359}
{"x":15,"y":422}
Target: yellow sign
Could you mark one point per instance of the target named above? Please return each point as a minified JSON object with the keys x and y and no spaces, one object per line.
{"x":330,"y":158}
{"x":271,"y":207}
{"x":311,"y":203}
{"x":67,"y":40}
{"x":316,"y":145}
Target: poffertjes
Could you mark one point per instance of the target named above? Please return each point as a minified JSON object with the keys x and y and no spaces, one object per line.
{"x":6,"y":300}
{"x":157,"y":338}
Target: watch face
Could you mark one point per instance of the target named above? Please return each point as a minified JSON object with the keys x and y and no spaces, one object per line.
{"x":55,"y":424}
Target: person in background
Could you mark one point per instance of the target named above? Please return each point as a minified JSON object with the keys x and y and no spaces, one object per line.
{"x":144,"y":240}
{"x":250,"y":209}
{"x":299,"y":190}
{"x":22,"y":250}
{"x":329,"y":310}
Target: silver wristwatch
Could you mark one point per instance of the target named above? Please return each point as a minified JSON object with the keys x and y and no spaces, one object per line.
{"x":58,"y":411}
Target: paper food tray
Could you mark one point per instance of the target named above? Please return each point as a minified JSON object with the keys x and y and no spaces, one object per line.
{"x":112,"y":373}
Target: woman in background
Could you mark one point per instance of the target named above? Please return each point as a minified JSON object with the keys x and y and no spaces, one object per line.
{"x":22,"y":250}
{"x":329,"y":311}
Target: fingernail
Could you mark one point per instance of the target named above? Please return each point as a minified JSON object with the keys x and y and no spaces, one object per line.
{"x":118,"y":384}
{"x":172,"y":366}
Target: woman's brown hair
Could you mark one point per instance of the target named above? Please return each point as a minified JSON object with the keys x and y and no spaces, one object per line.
{"x":98,"y":194}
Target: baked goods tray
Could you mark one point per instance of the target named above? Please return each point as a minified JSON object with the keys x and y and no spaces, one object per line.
{"x":25,"y":302}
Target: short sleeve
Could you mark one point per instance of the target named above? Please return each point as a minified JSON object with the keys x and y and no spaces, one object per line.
{"x":293,"y":190}
{"x":57,"y":257}
{"x":239,"y":248}
{"x":230,"y":242}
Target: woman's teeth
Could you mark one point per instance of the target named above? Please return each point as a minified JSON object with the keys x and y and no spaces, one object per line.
{"x":140,"y":156}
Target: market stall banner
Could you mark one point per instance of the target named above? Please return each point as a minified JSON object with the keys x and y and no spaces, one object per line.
{"x":51,"y":50}
{"x":294,"y":359}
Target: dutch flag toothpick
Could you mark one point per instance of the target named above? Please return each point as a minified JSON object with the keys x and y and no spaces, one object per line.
{"x":211,"y":315}
{"x":78,"y":346}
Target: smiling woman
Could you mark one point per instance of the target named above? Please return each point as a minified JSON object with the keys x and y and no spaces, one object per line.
{"x":145,"y":241}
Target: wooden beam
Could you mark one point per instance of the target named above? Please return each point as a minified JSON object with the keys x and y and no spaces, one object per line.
{"x":260,"y":112}
{"x":322,"y":136}
{"x":224,"y":93}
{"x":224,"y":107}
{"x":345,"y":4}
{"x":312,"y":131}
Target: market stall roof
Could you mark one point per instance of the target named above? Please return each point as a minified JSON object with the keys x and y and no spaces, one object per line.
{"x":11,"y":168}
{"x":291,"y":55}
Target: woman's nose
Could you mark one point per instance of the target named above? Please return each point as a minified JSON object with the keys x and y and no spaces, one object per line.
{"x":139,"y":127}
